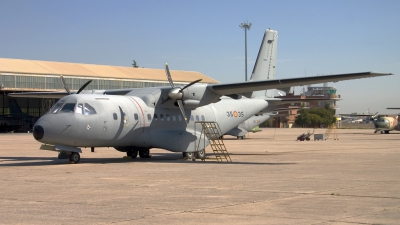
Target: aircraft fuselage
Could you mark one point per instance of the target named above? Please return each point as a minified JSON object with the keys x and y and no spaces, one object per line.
{"x":91,"y":120}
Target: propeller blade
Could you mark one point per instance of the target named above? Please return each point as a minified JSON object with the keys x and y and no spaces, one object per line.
{"x":182,"y":110}
{"x":169,"y":75}
{"x":83,"y":86}
{"x":190,"y":84}
{"x":65,"y":85}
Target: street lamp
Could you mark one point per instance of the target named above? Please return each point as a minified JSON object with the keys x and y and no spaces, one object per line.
{"x":245,"y":26}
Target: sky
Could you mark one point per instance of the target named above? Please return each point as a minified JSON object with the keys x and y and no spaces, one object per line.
{"x":315,"y":38}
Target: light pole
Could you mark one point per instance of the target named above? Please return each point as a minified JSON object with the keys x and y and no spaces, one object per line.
{"x":245,"y":26}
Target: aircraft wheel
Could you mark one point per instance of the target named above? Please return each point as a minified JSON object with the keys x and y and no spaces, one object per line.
{"x":381,"y":131}
{"x":191,"y":155}
{"x":184,"y":154}
{"x":132,"y":153}
{"x":144,"y":153}
{"x":386,"y":131}
{"x":201,"y":154}
{"x":74,"y":157}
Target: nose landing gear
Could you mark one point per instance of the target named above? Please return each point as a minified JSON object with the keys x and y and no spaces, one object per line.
{"x":74,"y":157}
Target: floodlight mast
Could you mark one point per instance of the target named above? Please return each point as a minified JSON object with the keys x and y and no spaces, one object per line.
{"x":246,"y":26}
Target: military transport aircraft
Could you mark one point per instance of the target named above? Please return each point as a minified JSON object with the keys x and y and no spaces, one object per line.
{"x":135,"y":120}
{"x":248,"y":125}
{"x":386,"y":123}
{"x":382,"y":123}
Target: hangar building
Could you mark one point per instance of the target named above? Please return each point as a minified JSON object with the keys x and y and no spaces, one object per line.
{"x":18,"y":75}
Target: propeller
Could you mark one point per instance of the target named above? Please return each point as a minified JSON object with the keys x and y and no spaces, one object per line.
{"x":176,"y":93}
{"x":80,"y":89}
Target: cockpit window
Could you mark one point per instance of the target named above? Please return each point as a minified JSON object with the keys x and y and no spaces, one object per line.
{"x":79,"y":108}
{"x":67,"y":108}
{"x":56,"y":107}
{"x":89,"y":110}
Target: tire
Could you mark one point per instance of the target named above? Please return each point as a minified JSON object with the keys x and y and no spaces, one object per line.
{"x":191,"y":155}
{"x":74,"y":157}
{"x":201,"y":154}
{"x":132,"y":153}
{"x":144,"y":153}
{"x":386,"y":131}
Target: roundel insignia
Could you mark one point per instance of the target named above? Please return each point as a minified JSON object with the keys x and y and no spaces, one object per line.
{"x":235,"y":114}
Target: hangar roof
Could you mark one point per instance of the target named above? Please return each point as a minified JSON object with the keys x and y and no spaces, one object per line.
{"x":101,"y":71}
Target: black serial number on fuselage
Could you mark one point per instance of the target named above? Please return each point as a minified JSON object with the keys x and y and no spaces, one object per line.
{"x":234,"y":113}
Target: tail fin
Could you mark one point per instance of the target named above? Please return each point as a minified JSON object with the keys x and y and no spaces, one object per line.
{"x":265,"y":66}
{"x":14,"y":107}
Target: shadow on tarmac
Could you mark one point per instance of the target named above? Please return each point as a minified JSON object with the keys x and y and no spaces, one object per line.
{"x":156,"y":158}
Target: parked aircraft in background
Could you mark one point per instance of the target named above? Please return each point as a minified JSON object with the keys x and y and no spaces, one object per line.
{"x":16,"y":120}
{"x":382,"y":123}
{"x":137,"y":119}
{"x":386,"y":123}
{"x":248,"y":126}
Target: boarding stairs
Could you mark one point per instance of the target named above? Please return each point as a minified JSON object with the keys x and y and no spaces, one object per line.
{"x":213,"y":133}
{"x":332,"y":128}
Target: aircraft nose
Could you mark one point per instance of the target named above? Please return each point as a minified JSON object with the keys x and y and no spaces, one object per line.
{"x":38,"y":132}
{"x":382,"y":123}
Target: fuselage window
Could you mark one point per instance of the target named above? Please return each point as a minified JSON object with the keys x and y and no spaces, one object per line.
{"x":173,"y":117}
{"x":168,"y":118}
{"x":161,"y":117}
{"x":56,"y":107}
{"x":79,"y":108}
{"x":155,"y":117}
{"x":115,"y":116}
{"x":136,"y":116}
{"x":148,"y":116}
{"x":202,"y":118}
{"x":67,"y":108}
{"x":191,"y":118}
{"x":89,"y":110}
{"x":179,"y":117}
{"x":197,"y":117}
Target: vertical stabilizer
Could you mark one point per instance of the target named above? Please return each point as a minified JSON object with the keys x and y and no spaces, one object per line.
{"x":265,"y":66}
{"x":14,"y":107}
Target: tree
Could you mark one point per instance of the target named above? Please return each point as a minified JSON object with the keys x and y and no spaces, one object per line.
{"x":316,"y":117}
{"x":303,"y":119}
{"x":316,"y":120}
{"x":267,"y":123}
{"x":134,"y":64}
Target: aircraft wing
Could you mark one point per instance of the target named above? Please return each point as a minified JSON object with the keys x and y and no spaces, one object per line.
{"x":236,"y":88}
{"x":58,"y":95}
{"x":392,"y":108}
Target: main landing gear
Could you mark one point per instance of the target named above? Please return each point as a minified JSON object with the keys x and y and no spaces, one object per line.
{"x":143,"y":153}
{"x":201,"y":154}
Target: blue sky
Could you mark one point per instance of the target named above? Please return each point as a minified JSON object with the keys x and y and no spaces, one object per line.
{"x":315,"y":37}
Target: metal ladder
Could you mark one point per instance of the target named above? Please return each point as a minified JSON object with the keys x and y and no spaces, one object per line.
{"x":213,"y":133}
{"x":332,"y":127}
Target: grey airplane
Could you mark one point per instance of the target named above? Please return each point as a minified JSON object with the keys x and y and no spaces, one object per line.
{"x":248,"y":126}
{"x":136,"y":120}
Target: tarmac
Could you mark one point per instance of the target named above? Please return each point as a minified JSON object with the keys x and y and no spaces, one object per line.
{"x":272,"y":179}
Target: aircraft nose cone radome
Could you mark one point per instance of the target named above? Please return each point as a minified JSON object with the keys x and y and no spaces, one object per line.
{"x":38,"y":132}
